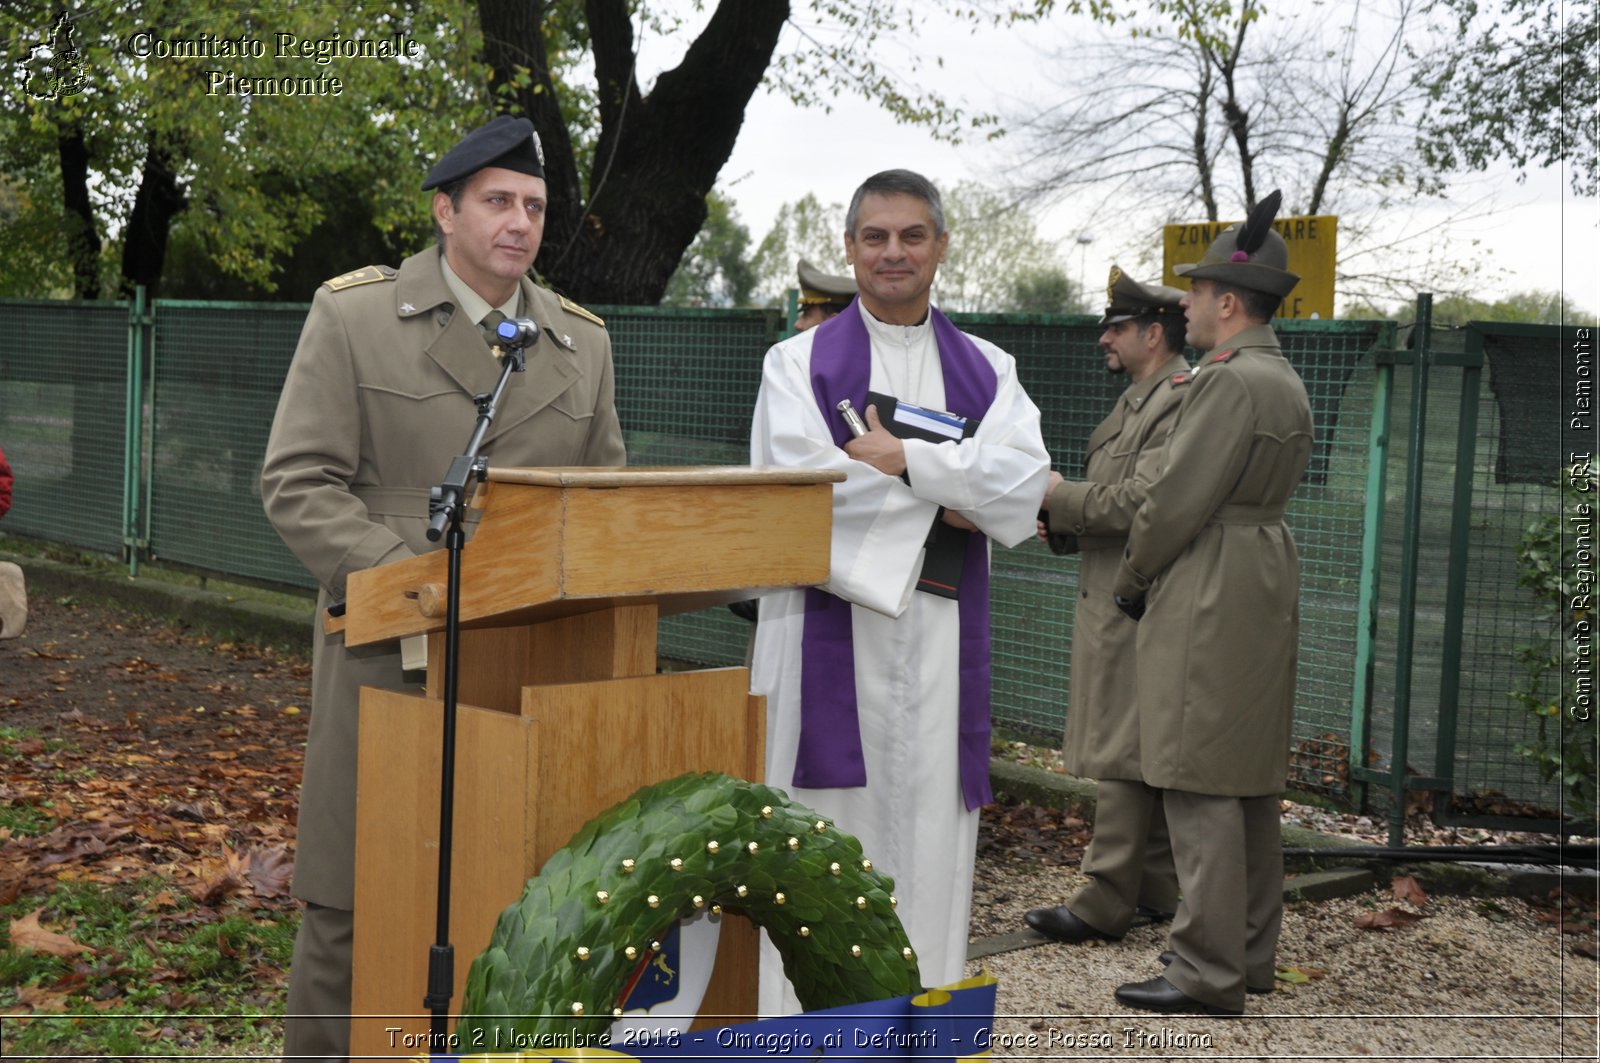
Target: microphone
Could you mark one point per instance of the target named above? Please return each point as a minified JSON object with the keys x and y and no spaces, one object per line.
{"x":516,"y":333}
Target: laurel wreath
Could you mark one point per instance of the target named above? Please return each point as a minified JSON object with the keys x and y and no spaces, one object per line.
{"x":561,"y":956}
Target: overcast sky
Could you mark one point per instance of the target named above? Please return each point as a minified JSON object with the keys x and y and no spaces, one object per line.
{"x":1538,"y":234}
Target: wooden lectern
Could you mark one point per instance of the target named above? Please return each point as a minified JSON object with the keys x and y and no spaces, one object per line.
{"x":560,"y":712}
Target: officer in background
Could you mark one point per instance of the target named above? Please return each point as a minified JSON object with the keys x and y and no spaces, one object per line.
{"x":1129,"y":862}
{"x":822,"y":295}
{"x":378,"y":400}
{"x":1213,"y":572}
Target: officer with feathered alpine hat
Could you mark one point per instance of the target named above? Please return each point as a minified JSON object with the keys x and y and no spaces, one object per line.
{"x":1212,"y":574}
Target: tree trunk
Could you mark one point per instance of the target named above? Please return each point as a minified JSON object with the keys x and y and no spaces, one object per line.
{"x":158,"y":201}
{"x":83,"y":239}
{"x":658,"y":156}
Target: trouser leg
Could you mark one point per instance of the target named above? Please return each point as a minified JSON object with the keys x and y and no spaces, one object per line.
{"x":1116,"y":858}
{"x":317,"y":1026}
{"x":1208,"y":933}
{"x":1264,"y":914}
{"x":1158,"y":886}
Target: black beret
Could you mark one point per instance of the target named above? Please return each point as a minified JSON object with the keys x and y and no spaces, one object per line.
{"x":507,"y":142}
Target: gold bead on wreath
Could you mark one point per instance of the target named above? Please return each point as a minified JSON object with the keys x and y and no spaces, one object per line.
{"x":835,"y":869}
{"x":577,"y":1007}
{"x":855,"y":950}
{"x":603,"y":897}
{"x":631,"y":952}
{"x":805,"y":931}
{"x":628,"y":866}
{"x":653,"y":901}
{"x":779,"y":898}
{"x":794,"y":843}
{"x":766,"y":811}
{"x":861,"y":903}
{"x":583,"y":952}
{"x":677,"y":864}
{"x":712,"y":847}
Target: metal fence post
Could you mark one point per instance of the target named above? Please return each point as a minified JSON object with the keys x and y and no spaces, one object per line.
{"x":1410,"y":542}
{"x":133,"y":478}
{"x":1364,"y":671}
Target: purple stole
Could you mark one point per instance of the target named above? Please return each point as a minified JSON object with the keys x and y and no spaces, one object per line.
{"x":829,"y":753}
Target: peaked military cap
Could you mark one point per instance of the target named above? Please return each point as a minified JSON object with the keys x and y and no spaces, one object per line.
{"x":817,"y":287}
{"x":507,"y":142}
{"x":1126,"y":298}
{"x":1250,"y":254}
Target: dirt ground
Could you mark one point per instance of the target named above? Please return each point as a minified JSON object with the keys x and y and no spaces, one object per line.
{"x":150,"y":748}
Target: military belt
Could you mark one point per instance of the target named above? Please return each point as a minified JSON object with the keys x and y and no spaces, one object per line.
{"x":1239,"y":513}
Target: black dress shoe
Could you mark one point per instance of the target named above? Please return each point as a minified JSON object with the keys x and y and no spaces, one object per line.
{"x":1168,"y":956}
{"x":1155,"y":915}
{"x":1062,"y":925}
{"x":1158,"y":994}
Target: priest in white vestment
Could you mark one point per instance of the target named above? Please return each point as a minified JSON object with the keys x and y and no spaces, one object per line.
{"x":877,"y":683}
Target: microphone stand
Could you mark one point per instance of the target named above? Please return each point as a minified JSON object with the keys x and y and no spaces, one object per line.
{"x":446,"y":508}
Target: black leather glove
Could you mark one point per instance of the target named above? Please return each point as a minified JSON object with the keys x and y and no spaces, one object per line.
{"x":1134,"y":607}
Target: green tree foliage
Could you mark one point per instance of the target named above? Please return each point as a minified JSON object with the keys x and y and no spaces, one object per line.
{"x":994,"y":246}
{"x":716,"y":270}
{"x":126,"y":152}
{"x":1534,"y":307}
{"x":1047,"y":290}
{"x":162,"y":145}
{"x":805,"y":229}
{"x":1518,"y":82}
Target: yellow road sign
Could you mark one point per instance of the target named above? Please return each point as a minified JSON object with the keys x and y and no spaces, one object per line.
{"x":1313,"y":252}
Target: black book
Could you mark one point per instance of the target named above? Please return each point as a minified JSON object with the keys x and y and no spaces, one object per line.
{"x":945,"y":551}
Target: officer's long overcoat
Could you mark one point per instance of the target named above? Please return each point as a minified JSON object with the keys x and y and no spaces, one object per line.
{"x":1102,"y":736}
{"x":1210,"y":549}
{"x":377,"y":402}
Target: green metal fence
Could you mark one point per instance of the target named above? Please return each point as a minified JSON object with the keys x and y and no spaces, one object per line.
{"x":1476,"y":421}
{"x":208,"y":376}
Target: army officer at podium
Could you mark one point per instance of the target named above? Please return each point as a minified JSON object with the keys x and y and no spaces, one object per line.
{"x":377,"y":402}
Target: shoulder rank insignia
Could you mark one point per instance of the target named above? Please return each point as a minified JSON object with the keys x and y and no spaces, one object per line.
{"x":572,"y":307}
{"x":1225,"y":355}
{"x":364,"y":275}
{"x":1179,"y":379}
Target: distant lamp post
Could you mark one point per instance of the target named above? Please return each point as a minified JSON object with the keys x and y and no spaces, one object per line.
{"x":1084,"y":240}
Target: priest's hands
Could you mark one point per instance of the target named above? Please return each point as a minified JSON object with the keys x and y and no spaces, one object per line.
{"x":879,"y":447}
{"x":1042,"y":529}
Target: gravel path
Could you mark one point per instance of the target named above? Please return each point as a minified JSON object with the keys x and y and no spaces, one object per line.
{"x":1474,"y":979}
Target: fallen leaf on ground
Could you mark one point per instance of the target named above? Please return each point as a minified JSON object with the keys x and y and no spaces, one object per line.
{"x":1406,"y":889}
{"x":41,"y":999}
{"x":1387,"y":918}
{"x":26,"y":933}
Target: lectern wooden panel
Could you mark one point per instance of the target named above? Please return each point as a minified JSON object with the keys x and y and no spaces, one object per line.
{"x":560,"y":712}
